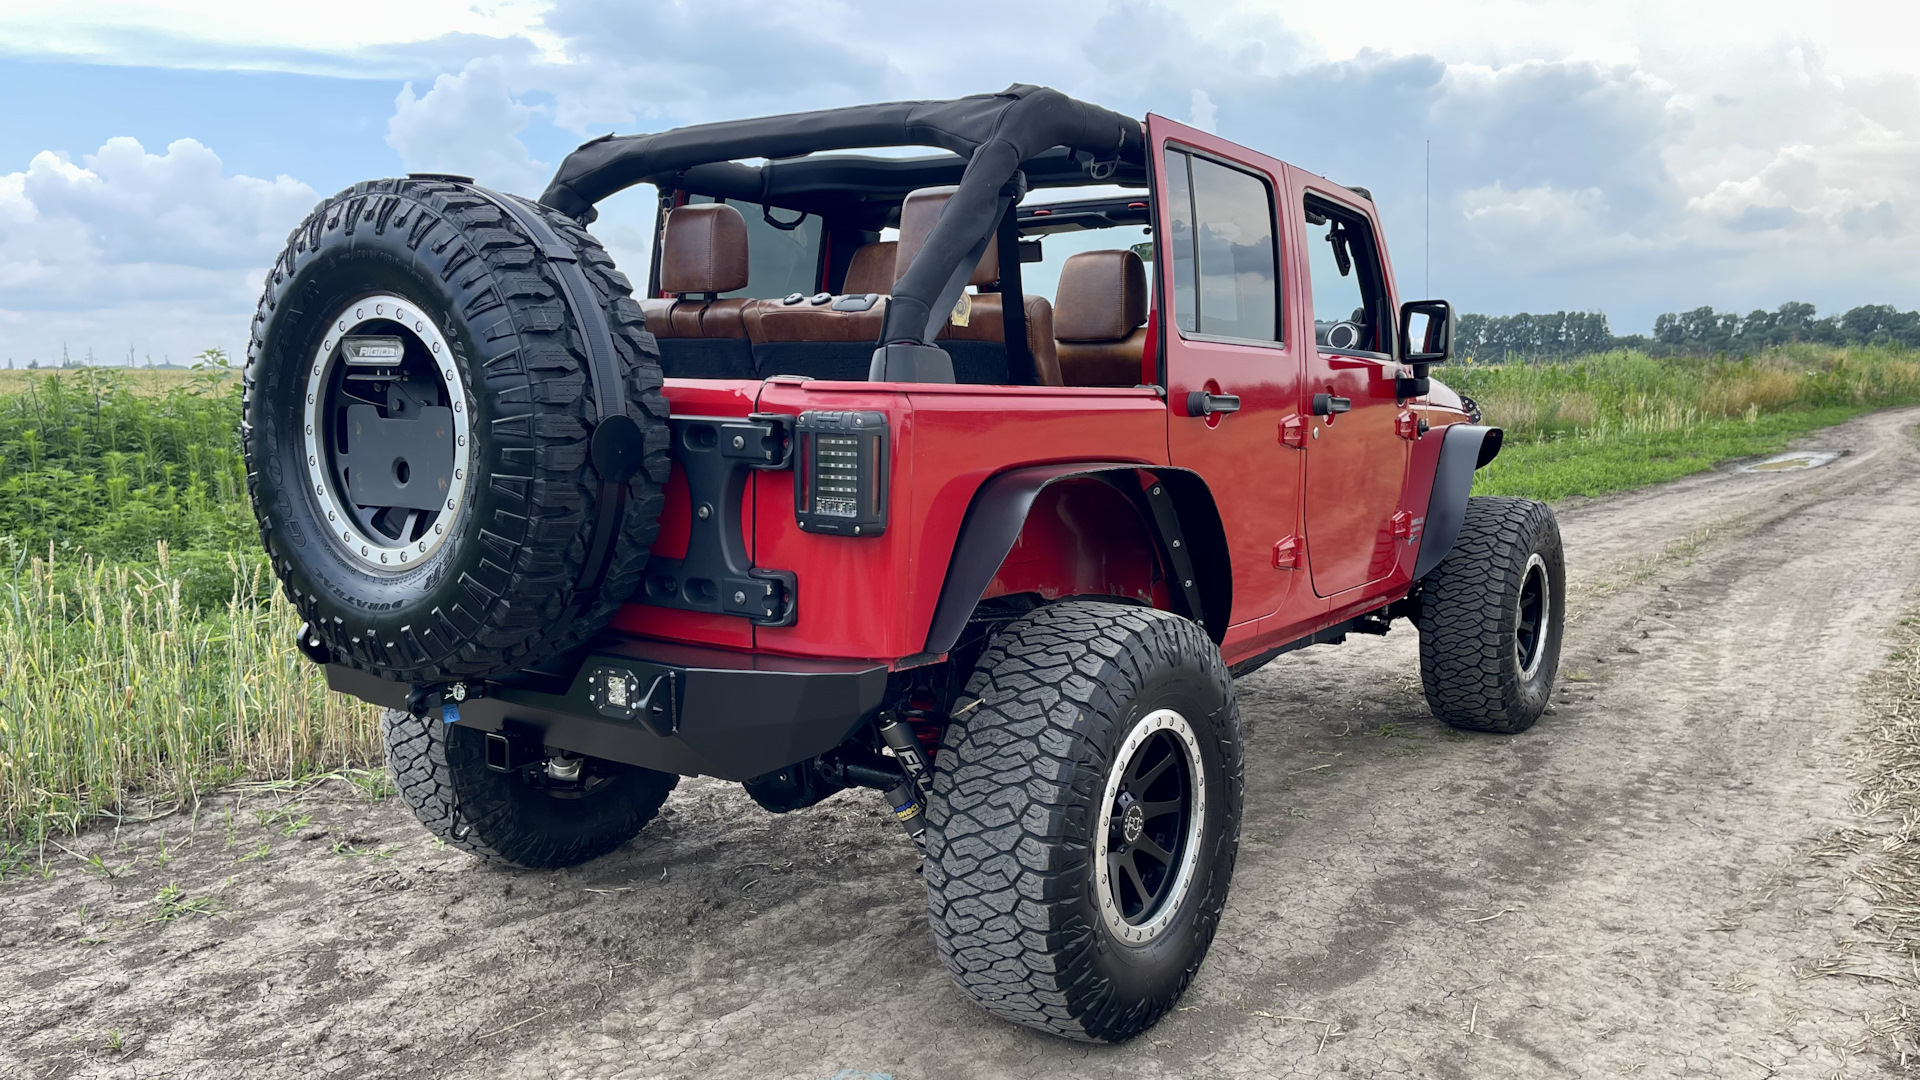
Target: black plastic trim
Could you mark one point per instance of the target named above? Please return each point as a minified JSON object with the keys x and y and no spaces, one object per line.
{"x":717,"y":575}
{"x":1466,"y":447}
{"x":999,"y":511}
{"x":705,"y":711}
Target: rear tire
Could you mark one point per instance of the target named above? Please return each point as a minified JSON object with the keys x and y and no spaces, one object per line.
{"x":1491,"y":616}
{"x":519,"y":819}
{"x":1101,"y":729}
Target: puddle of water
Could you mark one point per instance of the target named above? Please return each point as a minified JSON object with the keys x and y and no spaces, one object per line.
{"x":1794,"y":462}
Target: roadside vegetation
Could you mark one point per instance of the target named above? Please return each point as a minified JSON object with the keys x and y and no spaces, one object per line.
{"x":146,"y":656}
{"x":1624,"y":419}
{"x":144,"y":651}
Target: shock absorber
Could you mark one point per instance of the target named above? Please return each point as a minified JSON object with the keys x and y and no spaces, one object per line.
{"x":909,"y":797}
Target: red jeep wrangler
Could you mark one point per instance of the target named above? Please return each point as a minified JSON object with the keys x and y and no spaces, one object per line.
{"x":974,"y":477}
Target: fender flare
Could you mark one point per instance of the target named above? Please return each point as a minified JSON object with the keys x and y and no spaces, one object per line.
{"x":1464,"y":448}
{"x":998,"y":513}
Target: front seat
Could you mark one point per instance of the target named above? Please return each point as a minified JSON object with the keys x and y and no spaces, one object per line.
{"x":1099,"y":320}
{"x":871,"y":268}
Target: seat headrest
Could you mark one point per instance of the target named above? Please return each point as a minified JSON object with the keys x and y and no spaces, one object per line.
{"x":1102,"y":296}
{"x":704,"y":250}
{"x":871,"y":268}
{"x":917,"y":216}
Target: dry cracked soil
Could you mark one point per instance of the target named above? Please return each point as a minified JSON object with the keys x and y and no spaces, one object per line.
{"x":1644,"y":885}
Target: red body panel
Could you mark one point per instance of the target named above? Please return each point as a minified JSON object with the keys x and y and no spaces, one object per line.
{"x":1356,"y":462}
{"x":1308,"y":506}
{"x":1254,"y":476}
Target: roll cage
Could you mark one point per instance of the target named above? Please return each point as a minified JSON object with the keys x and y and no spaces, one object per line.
{"x":999,"y":147}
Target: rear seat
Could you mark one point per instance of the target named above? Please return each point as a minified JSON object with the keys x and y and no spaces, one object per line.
{"x":871,"y":268}
{"x":833,"y":337}
{"x":1099,"y":321}
{"x":703,"y":254}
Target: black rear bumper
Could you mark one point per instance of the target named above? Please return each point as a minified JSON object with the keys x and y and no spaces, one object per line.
{"x":675,"y":708}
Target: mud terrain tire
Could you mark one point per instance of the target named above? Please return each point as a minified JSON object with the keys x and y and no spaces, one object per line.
{"x":1491,"y":616}
{"x":1024,"y":801}
{"x":514,"y":819}
{"x":485,"y":580}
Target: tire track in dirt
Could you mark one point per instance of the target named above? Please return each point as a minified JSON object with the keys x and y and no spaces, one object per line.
{"x":1638,"y":887}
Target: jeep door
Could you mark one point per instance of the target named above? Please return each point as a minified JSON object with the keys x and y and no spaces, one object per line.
{"x":1356,"y":457}
{"x":1221,"y":284}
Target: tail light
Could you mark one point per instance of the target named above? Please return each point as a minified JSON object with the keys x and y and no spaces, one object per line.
{"x":840,"y":474}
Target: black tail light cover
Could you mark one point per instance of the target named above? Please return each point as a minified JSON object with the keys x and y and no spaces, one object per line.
{"x":840,"y":473}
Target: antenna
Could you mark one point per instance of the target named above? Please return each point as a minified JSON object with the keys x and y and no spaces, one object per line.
{"x":1427,"y":241}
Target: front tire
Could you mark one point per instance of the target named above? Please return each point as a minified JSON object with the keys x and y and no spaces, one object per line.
{"x":1491,"y":617}
{"x":1084,"y":819}
{"x":522,"y":819}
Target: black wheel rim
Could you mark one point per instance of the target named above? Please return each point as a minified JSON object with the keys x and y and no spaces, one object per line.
{"x":1148,"y":826}
{"x":1150,"y":816}
{"x":1531,"y":617}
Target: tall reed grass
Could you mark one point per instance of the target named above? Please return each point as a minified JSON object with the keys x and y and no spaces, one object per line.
{"x":1612,"y":394}
{"x":1624,"y":419}
{"x":111,"y":684}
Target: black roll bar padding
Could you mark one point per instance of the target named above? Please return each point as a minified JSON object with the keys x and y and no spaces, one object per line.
{"x":1464,"y":448}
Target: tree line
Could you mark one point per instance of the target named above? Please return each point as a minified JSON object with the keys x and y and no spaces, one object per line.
{"x":1702,"y":330}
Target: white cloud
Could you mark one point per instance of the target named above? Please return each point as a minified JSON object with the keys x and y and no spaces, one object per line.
{"x":163,"y":252}
{"x":1205,"y":114}
{"x":1584,"y":155}
{"x":1546,"y":228}
{"x":469,"y":124}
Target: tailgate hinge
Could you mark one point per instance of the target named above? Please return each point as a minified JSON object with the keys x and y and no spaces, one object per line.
{"x":717,"y":575}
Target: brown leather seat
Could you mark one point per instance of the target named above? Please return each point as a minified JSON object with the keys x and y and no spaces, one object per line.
{"x":703,"y":253}
{"x":1100,"y":317}
{"x":834,"y":337}
{"x":871,"y":268}
{"x":984,"y":320}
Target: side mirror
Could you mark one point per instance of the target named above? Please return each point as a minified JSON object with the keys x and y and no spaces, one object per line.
{"x":1426,"y":332}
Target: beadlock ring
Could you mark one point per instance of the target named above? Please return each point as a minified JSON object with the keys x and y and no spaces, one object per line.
{"x":1189,"y":858}
{"x":365,"y":548}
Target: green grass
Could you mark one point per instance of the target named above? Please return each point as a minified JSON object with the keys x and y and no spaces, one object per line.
{"x":1623,"y":420}
{"x":144,"y":650}
{"x":143,"y":646}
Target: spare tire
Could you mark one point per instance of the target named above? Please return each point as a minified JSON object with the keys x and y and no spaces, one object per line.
{"x":418,"y":416}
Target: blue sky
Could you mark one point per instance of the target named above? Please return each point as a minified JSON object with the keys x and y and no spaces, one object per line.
{"x":1629,"y":157}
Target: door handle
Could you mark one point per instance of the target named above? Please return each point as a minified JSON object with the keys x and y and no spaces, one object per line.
{"x":1201,"y":403}
{"x":1327,"y":404}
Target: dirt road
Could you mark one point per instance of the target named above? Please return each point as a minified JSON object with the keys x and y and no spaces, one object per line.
{"x":1646,"y":885}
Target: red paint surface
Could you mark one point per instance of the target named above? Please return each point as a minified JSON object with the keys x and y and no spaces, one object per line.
{"x":1082,"y":538}
{"x":1324,"y":500}
{"x":1255,"y":479}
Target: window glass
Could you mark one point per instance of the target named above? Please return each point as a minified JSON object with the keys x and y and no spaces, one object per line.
{"x":779,"y":261}
{"x":1345,"y":271}
{"x":1043,"y":278}
{"x":1236,"y":253}
{"x":1179,"y":241}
